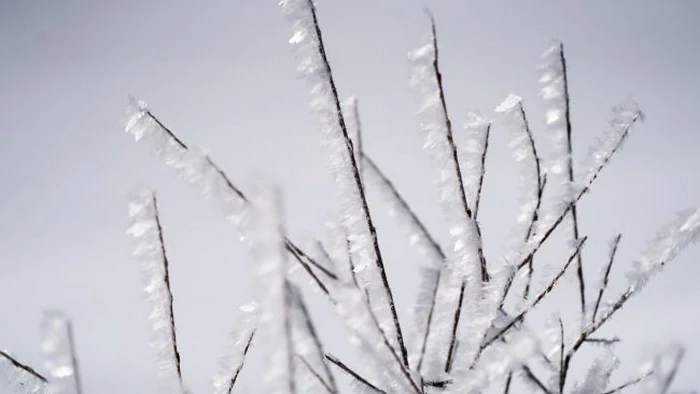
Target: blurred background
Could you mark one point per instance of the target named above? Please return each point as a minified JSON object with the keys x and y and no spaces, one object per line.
{"x":222,"y":76}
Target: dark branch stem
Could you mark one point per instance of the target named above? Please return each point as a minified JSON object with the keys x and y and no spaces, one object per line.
{"x":331,"y":385}
{"x":628,"y":384}
{"x":317,"y":375}
{"x":358,"y":184}
{"x":26,"y":368}
{"x":74,"y":358}
{"x":570,"y":170}
{"x":237,"y":372}
{"x":166,"y":281}
{"x":455,"y":325}
{"x":453,"y":148}
{"x":613,"y":251}
{"x":482,"y":171}
{"x":353,"y":374}
{"x":547,"y":233}
{"x":529,"y":375}
{"x":539,"y":297}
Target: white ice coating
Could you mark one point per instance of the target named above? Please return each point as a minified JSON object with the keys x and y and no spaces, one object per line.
{"x":463,"y":260}
{"x":335,"y":137}
{"x":192,"y":165}
{"x":19,"y":380}
{"x":524,"y":153}
{"x":266,"y":234}
{"x":240,"y":339}
{"x":149,"y":252}
{"x":58,"y":353}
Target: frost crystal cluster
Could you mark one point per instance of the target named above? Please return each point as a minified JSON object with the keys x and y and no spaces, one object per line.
{"x":471,"y":330}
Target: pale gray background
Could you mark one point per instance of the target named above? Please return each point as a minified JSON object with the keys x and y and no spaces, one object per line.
{"x":222,"y":75}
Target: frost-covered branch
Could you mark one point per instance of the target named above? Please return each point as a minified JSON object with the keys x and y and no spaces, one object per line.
{"x":357,"y":377}
{"x":307,"y":343}
{"x":237,"y":350}
{"x":555,"y":91}
{"x":150,"y":250}
{"x":662,"y":369}
{"x":553,"y":282}
{"x":325,"y":102}
{"x":606,"y":274}
{"x":610,"y":145}
{"x":21,"y":377}
{"x":61,"y":359}
{"x":533,"y":180}
{"x":629,"y":383}
{"x":473,"y":157}
{"x":200,"y":170}
{"x":265,"y":227}
{"x":439,"y":143}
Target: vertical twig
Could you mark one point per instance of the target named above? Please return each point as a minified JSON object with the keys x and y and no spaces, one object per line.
{"x":453,"y":147}
{"x":482,"y":172}
{"x":358,"y":184}
{"x":74,"y":358}
{"x":166,"y":281}
{"x":604,"y":285}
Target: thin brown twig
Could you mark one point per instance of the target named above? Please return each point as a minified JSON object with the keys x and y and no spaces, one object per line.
{"x":455,"y":324}
{"x":316,"y":374}
{"x":331,"y":384}
{"x":426,"y":332}
{"x":298,"y":254}
{"x":23,"y":367}
{"x":166,"y":281}
{"x":628,"y":383}
{"x":674,"y":370}
{"x":350,"y":372}
{"x":453,"y":148}
{"x":234,"y":377}
{"x":482,"y":171}
{"x":506,"y":389}
{"x":613,"y":252}
{"x":529,"y":375}
{"x":570,"y":170}
{"x":547,"y":233}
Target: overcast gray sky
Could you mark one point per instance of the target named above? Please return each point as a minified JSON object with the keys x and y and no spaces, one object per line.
{"x":222,"y":75}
